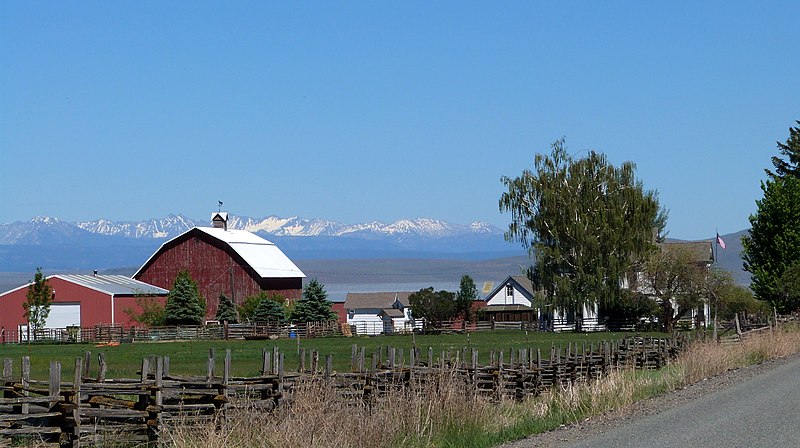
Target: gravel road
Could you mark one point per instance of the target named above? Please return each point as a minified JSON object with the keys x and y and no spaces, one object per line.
{"x":757,"y":406}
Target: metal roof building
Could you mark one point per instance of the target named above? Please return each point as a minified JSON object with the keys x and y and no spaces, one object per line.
{"x":83,"y":300}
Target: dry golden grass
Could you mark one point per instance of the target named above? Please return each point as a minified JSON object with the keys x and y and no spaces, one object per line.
{"x":704,"y":360}
{"x":317,"y":418}
{"x":447,"y":412}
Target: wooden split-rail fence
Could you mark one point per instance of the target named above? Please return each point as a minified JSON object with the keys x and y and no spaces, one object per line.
{"x":92,"y":409}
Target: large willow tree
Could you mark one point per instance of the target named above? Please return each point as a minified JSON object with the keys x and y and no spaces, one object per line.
{"x":585,"y":223}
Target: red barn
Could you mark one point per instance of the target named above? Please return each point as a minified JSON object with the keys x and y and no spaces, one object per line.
{"x":83,"y":300}
{"x":236,"y":263}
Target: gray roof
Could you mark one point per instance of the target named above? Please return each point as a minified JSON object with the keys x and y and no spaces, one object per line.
{"x":392,"y":312}
{"x":114,"y":284}
{"x":523,"y":281}
{"x":701,"y":251}
{"x":375,"y":300}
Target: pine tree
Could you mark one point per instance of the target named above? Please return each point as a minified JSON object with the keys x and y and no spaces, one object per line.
{"x":270,"y":309}
{"x":226,"y":311}
{"x":39,"y":297}
{"x":790,"y":149}
{"x":773,"y":245}
{"x":314,"y":306}
{"x":185,"y":306}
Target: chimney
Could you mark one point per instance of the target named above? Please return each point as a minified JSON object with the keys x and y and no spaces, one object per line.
{"x":95,"y":272}
{"x":219,"y":220}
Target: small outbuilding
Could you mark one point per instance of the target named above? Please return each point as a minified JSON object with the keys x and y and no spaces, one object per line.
{"x":82,"y":301}
{"x":375,"y":313}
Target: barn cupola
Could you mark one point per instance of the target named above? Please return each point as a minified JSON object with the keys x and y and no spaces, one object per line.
{"x":219,"y":220}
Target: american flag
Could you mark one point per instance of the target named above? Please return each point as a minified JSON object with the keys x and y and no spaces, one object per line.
{"x":720,"y":242}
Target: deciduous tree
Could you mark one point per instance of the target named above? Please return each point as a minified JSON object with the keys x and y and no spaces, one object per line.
{"x":584,"y":221}
{"x":466,"y":295}
{"x":677,"y":279}
{"x":38,"y":300}
{"x":433,"y":307}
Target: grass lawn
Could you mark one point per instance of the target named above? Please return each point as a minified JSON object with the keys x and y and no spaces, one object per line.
{"x":190,"y":357}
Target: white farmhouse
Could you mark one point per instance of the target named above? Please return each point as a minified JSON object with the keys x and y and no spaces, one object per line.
{"x":373,"y":313}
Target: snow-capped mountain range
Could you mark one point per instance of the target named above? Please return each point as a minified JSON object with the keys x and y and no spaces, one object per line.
{"x":52,"y":242}
{"x":174,"y":225}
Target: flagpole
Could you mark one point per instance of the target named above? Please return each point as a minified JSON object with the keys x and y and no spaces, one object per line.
{"x":716,"y":299}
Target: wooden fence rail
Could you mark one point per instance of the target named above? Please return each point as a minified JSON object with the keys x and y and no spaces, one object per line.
{"x":94,"y":410}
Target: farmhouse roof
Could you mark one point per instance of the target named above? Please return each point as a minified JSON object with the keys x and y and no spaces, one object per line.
{"x":522,"y":282}
{"x":263,"y":256}
{"x":375,"y":300}
{"x":392,"y":312}
{"x":701,"y":251}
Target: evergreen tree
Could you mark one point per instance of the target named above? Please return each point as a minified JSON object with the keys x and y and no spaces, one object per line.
{"x":467,"y":294}
{"x":585,"y":222}
{"x":314,"y":306}
{"x":772,"y":248}
{"x":790,"y":149}
{"x":38,"y":300}
{"x":270,"y":309}
{"x":185,"y":306}
{"x":226,"y":311}
{"x":773,"y":245}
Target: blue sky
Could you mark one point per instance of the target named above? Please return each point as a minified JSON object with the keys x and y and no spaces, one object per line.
{"x":356,"y":111}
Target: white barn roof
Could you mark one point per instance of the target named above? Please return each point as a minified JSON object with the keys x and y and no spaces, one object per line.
{"x":263,"y":256}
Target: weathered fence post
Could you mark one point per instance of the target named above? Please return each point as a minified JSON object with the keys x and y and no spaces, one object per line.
{"x":328,"y":367}
{"x":54,"y":389}
{"x":265,"y":362}
{"x":145,"y":368}
{"x":87,"y":363}
{"x":210,"y":365}
{"x":226,"y":372}
{"x":101,"y":374}
{"x":76,"y":401}
{"x":280,"y":373}
{"x":301,"y":360}
{"x":26,"y":379}
{"x":7,"y":369}
{"x":314,"y":362}
{"x":159,"y":382}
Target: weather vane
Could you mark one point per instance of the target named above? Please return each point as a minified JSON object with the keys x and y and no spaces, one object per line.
{"x":220,"y":206}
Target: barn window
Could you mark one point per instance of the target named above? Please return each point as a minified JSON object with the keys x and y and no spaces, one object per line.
{"x":509,"y":290}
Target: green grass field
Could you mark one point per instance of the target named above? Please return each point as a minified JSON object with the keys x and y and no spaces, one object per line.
{"x":190,"y":357}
